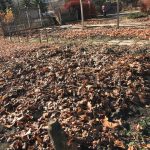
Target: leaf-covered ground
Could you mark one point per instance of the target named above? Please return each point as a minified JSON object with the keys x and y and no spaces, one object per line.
{"x":112,"y":20}
{"x":125,"y":33}
{"x":99,"y":94}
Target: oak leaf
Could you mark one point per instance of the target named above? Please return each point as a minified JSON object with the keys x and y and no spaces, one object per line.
{"x":109,"y":124}
{"x":131,"y":147}
{"x":119,"y":143}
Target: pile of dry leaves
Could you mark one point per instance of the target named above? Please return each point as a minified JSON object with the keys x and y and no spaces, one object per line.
{"x":107,"y":21}
{"x":10,"y":47}
{"x":98,"y":94}
{"x":105,"y":32}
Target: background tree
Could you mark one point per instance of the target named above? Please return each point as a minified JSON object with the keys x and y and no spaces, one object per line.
{"x":5,"y":4}
{"x":133,"y":2}
{"x":2,"y":5}
{"x":7,"y":17}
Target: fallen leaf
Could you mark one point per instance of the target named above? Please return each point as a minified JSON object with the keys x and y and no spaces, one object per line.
{"x":131,"y":147}
{"x":109,"y":124}
{"x":119,"y":143}
{"x":89,"y":105}
{"x":9,"y":74}
{"x":116,"y":92}
{"x":139,"y":128}
{"x":39,"y":139}
{"x":83,"y":117}
{"x":146,"y":146}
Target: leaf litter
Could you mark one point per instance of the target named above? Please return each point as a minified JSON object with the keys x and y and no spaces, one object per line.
{"x":95,"y":92}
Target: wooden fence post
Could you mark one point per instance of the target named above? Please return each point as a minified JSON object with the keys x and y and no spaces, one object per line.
{"x":27,"y":35}
{"x":10,"y":37}
{"x":118,"y":14}
{"x":46,"y":35}
{"x":17,"y":33}
{"x":40,"y":36}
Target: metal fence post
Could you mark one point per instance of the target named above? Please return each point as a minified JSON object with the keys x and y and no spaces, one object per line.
{"x":46,"y":35}
{"x":82,"y":16}
{"x":28,"y":19}
{"x":39,"y":10}
{"x":117,"y":14}
{"x":40,"y":36}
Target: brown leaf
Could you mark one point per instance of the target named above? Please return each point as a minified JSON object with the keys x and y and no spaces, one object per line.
{"x":39,"y":139}
{"x":84,"y":134}
{"x":109,"y":124}
{"x":132,"y":147}
{"x":9,"y":74}
{"x":119,"y":143}
{"x":1,"y":81}
{"x":139,"y":128}
{"x":89,"y":105}
{"x":116,"y":92}
{"x":146,"y":146}
{"x":83,"y":118}
{"x":9,"y":126}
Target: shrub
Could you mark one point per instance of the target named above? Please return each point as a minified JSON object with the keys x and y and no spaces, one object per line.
{"x":9,"y":17}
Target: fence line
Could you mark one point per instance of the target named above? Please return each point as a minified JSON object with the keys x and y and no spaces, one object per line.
{"x":27,"y":36}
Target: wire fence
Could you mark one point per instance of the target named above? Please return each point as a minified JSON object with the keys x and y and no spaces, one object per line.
{"x":29,"y":20}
